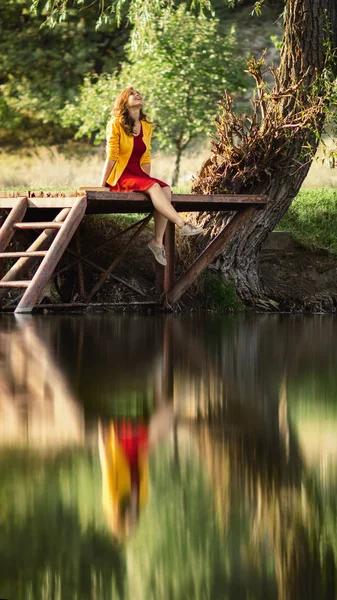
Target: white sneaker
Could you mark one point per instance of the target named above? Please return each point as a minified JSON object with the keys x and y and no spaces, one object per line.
{"x":158,"y":253}
{"x":190,"y":229}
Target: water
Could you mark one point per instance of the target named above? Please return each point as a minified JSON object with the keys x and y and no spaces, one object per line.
{"x":233,"y":495}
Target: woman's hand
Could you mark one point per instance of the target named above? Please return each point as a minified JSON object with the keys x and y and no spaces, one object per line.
{"x":108,"y":166}
{"x":147,"y":168}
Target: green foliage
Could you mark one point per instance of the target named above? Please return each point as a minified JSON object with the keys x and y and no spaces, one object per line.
{"x":312,"y":219}
{"x":41,"y":68}
{"x":182,"y":72}
{"x":221,"y":295}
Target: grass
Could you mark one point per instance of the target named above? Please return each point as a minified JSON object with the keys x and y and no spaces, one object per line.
{"x":312,"y":219}
{"x":219,"y":295}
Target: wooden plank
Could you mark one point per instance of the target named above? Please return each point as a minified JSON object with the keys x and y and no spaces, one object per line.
{"x":17,"y":213}
{"x":117,"y":259}
{"x":193,"y":198}
{"x":40,"y":202}
{"x":46,"y":268}
{"x":14,"y":284}
{"x":209,"y":254}
{"x":38,"y":225}
{"x":112,"y":202}
{"x":23,"y":264}
{"x":19,"y":254}
{"x":102,"y":201}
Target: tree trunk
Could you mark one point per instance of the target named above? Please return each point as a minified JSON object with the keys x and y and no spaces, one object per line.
{"x":309,"y":25}
{"x":175,"y":177}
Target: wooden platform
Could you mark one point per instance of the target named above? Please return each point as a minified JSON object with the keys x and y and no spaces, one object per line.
{"x":100,"y":201}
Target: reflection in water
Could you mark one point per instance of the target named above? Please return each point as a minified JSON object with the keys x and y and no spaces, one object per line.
{"x":237,"y":501}
{"x":34,"y":395}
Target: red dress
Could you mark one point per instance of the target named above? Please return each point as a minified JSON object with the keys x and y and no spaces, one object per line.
{"x":133,"y":178}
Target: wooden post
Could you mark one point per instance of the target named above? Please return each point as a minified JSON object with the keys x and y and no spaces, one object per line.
{"x":209,"y":254}
{"x":16,"y":214}
{"x":80,"y":265}
{"x":46,"y":268}
{"x":165,"y":276}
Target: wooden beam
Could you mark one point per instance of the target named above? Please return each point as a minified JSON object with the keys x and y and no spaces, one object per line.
{"x":118,"y":259}
{"x":91,"y":263}
{"x":209,"y":254}
{"x":23,"y":264}
{"x":38,"y":225}
{"x":193,"y":198}
{"x":165,"y":276}
{"x":80,"y":272}
{"x":169,"y":270}
{"x":14,"y":284}
{"x":56,"y":250}
{"x":17,"y":213}
{"x":101,"y":202}
{"x":20,"y":254}
{"x":39,"y":202}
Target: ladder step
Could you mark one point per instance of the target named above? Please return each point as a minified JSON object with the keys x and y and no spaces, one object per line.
{"x":14,"y":284}
{"x":25,"y":254}
{"x":39,"y":225}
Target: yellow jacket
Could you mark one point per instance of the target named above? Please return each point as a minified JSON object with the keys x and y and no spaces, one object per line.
{"x":119,"y":147}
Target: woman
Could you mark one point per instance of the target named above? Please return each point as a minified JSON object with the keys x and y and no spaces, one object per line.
{"x":127,"y":167}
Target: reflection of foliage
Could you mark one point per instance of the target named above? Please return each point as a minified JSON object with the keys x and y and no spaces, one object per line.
{"x":180,"y":551}
{"x":283,"y":500}
{"x":52,"y":540}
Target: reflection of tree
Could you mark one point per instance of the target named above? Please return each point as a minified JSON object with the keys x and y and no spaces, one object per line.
{"x":262,"y":461}
{"x":237,"y":407}
{"x":52,"y":539}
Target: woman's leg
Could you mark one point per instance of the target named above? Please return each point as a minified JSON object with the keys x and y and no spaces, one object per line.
{"x":160,"y":222}
{"x":163,"y":205}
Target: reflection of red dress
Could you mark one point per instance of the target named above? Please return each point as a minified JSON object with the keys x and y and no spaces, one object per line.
{"x":133,"y":178}
{"x":133,"y":437}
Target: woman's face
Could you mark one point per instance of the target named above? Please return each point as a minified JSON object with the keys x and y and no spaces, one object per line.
{"x":135,"y":100}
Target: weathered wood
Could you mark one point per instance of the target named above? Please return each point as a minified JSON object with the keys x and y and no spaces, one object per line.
{"x":46,"y":268}
{"x":23,"y":264}
{"x":118,"y":258}
{"x":80,"y":264}
{"x":101,"y":202}
{"x":14,"y":284}
{"x":165,"y":276}
{"x":39,"y":202}
{"x":209,"y":254}
{"x":19,"y":254}
{"x":91,"y":263}
{"x":38,"y":225}
{"x":169,"y":270}
{"x":94,"y":305}
{"x":17,"y":213}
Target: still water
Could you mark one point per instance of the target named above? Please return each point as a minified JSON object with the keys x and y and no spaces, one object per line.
{"x":168,"y":458}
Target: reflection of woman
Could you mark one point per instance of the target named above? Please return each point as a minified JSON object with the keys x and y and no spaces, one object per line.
{"x":124,"y":447}
{"x":128,"y":164}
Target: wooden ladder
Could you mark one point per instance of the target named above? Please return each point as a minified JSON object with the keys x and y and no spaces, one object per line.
{"x":64,"y":224}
